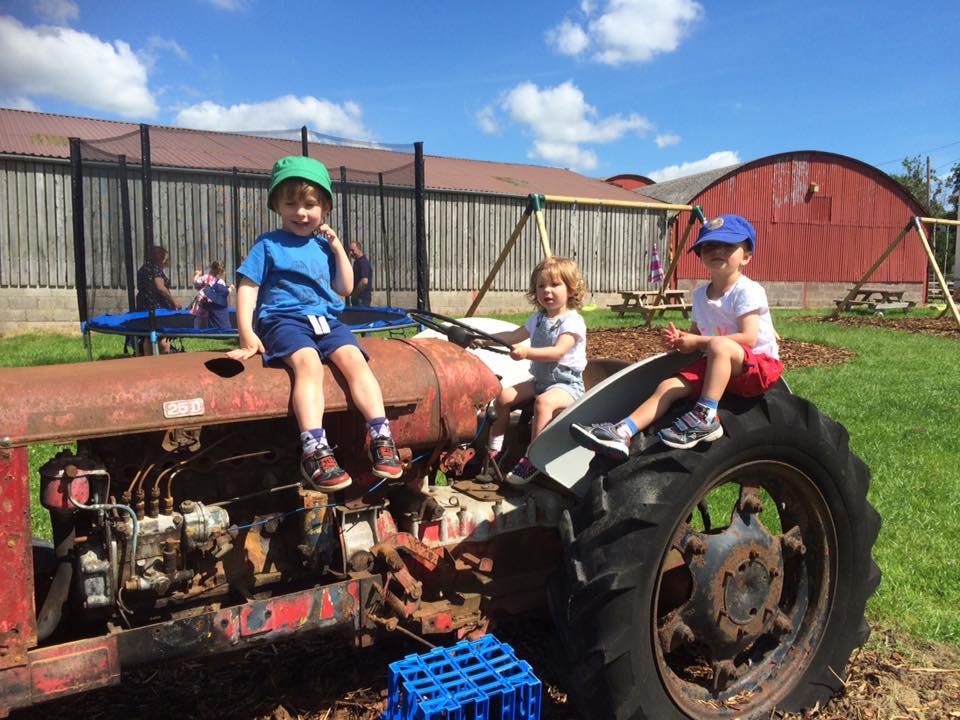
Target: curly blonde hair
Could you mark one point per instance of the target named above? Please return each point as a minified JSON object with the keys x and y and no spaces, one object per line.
{"x":564,"y":269}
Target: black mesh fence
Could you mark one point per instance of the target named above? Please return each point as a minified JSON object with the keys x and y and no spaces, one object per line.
{"x":203,"y":197}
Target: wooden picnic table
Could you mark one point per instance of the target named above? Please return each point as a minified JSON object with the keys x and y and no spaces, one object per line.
{"x":644,"y":302}
{"x":876,"y":299}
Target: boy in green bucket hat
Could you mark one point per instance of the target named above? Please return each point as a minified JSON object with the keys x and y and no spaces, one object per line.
{"x":289,"y":298}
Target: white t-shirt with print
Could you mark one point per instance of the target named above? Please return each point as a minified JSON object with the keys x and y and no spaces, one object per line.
{"x":570,"y":322}
{"x":719,"y":317}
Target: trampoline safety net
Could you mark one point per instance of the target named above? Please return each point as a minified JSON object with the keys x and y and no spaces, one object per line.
{"x":203,"y":197}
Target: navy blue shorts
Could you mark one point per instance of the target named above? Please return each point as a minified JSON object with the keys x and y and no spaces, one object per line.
{"x":283,"y":335}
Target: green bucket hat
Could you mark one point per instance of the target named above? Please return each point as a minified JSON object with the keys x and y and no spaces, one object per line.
{"x":305,"y":168}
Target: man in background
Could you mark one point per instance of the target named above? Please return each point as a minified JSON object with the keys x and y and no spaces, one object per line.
{"x":362,"y":277}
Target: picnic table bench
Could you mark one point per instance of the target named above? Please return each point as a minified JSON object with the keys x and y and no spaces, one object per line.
{"x":644,"y":303}
{"x":876,"y":299}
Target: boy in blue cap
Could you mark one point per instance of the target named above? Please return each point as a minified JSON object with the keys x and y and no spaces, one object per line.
{"x":290,"y":295}
{"x":731,"y":326}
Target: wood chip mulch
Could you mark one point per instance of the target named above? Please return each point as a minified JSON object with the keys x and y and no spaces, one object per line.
{"x":945,"y":326}
{"x":639,"y":342}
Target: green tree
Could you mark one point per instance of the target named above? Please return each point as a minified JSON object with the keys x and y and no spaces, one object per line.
{"x":914,"y":179}
{"x":953,"y":189}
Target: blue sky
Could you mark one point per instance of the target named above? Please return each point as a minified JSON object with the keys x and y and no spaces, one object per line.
{"x":654,"y":87}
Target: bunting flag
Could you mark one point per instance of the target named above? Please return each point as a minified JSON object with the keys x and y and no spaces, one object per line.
{"x":656,"y":269}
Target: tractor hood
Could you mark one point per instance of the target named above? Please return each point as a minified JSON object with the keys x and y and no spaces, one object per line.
{"x":432,"y":390}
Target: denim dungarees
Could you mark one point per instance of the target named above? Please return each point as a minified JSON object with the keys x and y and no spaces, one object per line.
{"x":547,"y":375}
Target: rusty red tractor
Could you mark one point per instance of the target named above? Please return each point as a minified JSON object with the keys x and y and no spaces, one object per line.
{"x":727,"y":580}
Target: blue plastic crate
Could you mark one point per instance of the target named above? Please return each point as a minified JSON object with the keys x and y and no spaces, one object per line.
{"x":479,"y":680}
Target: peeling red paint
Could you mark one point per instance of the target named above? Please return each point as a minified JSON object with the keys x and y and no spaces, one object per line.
{"x":18,"y":630}
{"x":327,"y":610}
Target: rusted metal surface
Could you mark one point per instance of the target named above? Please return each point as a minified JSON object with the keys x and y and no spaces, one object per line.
{"x":60,"y":670}
{"x":738,"y":607}
{"x":420,"y":380}
{"x":454,"y":462}
{"x":18,"y":630}
{"x":74,"y":667}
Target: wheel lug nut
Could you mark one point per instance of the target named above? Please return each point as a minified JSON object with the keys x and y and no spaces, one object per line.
{"x":674,"y":635}
{"x":750,"y":503}
{"x":695,"y":545}
{"x":793,"y":544}
{"x":782,"y":624}
{"x":724,"y":672}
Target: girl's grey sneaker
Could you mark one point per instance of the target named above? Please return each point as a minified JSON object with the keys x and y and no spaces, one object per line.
{"x":602,"y":439}
{"x":522,"y":473}
{"x":690,"y":429}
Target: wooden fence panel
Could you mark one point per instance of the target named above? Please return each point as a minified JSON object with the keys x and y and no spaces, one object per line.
{"x":194,"y":218}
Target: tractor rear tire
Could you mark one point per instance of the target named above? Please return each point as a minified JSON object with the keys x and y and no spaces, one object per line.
{"x":663,"y":618}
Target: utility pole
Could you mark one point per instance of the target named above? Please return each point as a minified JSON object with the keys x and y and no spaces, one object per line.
{"x":929,"y":210}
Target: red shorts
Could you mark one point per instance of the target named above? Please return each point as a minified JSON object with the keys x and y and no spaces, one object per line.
{"x":759,"y":373}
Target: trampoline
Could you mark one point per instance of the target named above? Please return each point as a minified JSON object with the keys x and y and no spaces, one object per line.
{"x":179,"y":323}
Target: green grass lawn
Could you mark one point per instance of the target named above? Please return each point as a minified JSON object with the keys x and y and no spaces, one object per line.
{"x":898,"y":398}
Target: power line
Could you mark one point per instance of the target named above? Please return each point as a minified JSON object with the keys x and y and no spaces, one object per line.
{"x":921,"y":152}
{"x":949,"y":162}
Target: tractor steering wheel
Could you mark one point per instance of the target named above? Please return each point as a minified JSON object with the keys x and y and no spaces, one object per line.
{"x":459,"y":333}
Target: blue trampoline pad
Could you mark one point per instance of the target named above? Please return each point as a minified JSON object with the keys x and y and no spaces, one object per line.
{"x":179,"y":323}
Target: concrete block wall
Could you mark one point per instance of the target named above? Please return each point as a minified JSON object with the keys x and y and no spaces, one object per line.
{"x":55,"y":310}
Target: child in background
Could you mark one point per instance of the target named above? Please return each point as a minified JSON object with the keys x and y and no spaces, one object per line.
{"x":558,"y":351}
{"x":289,"y":299}
{"x":731,"y":325}
{"x":210,"y":306}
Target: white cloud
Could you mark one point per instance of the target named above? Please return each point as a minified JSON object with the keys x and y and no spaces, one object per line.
{"x":561,"y":120}
{"x":487,"y":120}
{"x":59,"y":12}
{"x":160,"y":43}
{"x":568,"y":38}
{"x":69,"y":65}
{"x":229,"y":5}
{"x":568,"y":155}
{"x":18,"y":103}
{"x":288,"y":111}
{"x":627,"y":31}
{"x":720,"y":159}
{"x":667,"y":139}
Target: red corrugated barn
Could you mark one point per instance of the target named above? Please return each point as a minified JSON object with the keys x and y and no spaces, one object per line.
{"x":822,"y":220}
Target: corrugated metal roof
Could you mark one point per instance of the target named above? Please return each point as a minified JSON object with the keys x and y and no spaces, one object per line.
{"x":44,"y":135}
{"x":684,"y":189}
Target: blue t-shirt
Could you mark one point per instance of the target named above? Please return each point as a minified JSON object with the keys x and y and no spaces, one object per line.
{"x":295,"y":275}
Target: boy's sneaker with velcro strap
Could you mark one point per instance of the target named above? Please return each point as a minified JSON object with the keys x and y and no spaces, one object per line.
{"x":690,"y":429}
{"x":321,"y":471}
{"x":602,"y":439}
{"x":522,"y":473}
{"x":386,"y":461}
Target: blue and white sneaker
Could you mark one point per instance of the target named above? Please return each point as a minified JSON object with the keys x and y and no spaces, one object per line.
{"x":523,"y":472}
{"x":690,"y":429}
{"x":602,"y":439}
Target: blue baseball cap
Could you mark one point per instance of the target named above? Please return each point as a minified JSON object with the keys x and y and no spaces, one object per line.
{"x":730,"y":229}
